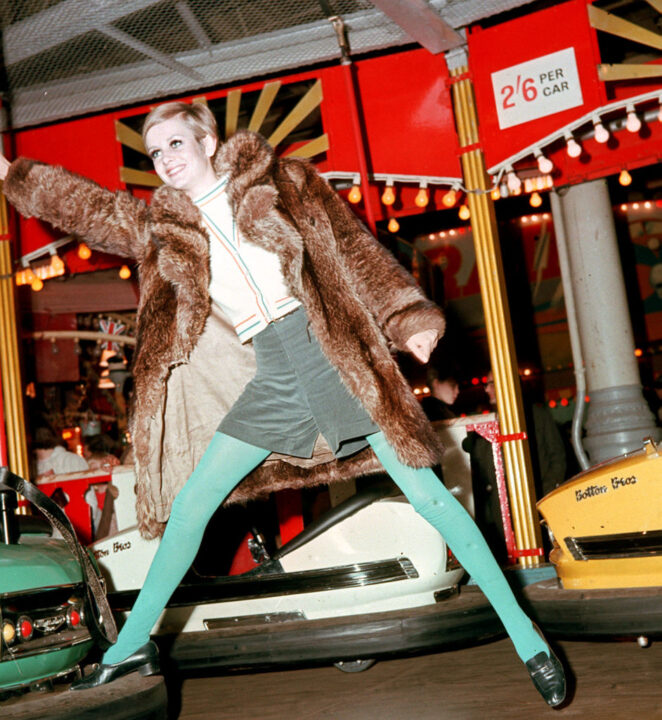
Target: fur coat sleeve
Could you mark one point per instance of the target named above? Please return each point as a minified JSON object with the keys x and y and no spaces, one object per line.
{"x":107,"y":221}
{"x":388,"y":291}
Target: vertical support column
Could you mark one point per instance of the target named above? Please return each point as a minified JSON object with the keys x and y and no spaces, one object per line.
{"x":510,"y":409}
{"x":10,"y":375}
{"x":357,"y":130}
{"x":618,"y":417}
{"x":4,"y":457}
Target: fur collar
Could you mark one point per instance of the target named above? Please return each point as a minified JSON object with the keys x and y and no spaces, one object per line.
{"x":248,"y":160}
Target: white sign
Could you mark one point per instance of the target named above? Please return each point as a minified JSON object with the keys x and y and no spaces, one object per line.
{"x":536,"y":88}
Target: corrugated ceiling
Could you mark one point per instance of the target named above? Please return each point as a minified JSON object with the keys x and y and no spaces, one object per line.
{"x":63,"y":58}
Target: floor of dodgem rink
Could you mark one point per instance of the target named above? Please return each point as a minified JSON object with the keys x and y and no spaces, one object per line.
{"x":609,"y":679}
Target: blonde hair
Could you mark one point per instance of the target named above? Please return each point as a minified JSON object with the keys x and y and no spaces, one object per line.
{"x":197,"y":116}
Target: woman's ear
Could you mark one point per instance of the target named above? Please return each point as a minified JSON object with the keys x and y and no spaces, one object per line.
{"x":209,"y":143}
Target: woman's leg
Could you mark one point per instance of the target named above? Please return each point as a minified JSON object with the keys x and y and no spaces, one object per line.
{"x":225,"y":462}
{"x":435,"y":503}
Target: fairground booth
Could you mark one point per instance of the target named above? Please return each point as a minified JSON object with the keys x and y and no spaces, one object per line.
{"x":507,"y":153}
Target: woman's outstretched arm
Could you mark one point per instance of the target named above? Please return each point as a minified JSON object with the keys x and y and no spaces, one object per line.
{"x":107,"y":221}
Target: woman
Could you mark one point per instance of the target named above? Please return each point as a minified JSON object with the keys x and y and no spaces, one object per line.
{"x":319,"y":300}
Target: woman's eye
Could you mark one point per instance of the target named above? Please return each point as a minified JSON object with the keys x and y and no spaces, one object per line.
{"x":155,"y":154}
{"x":175,"y":143}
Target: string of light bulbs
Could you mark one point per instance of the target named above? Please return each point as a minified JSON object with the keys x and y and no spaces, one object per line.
{"x":513,"y":184}
{"x":595,"y":127}
{"x":424,"y":182}
{"x":30,"y":273}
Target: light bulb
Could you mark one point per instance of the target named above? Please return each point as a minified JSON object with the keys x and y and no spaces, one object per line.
{"x":388,"y":196}
{"x":601,"y":132}
{"x":84,"y":252}
{"x":37,"y":284}
{"x":29,"y":277}
{"x":573,"y":148}
{"x":514,"y":183}
{"x":422,"y":197}
{"x":449,"y":198}
{"x":393,"y":225}
{"x":354,"y":195}
{"x":57,"y":263}
{"x":528,"y":185}
{"x":496,"y":193}
{"x":625,"y":178}
{"x":545,"y":165}
{"x":535,"y":200}
{"x":633,"y":123}
{"x":464,"y":213}
{"x":125,"y":272}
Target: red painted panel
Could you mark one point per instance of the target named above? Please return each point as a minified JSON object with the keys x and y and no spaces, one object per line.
{"x":55,"y":362}
{"x":409,"y":130}
{"x":405,"y":103}
{"x":86,"y":146}
{"x":522,"y":40}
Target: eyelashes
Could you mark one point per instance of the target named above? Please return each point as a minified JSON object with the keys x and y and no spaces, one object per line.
{"x":174,"y":144}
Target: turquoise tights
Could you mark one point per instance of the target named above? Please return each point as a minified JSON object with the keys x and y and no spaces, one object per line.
{"x":227,"y":460}
{"x":434,"y":502}
{"x":224,"y":463}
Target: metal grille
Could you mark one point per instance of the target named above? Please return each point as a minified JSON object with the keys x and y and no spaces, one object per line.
{"x":62,"y":58}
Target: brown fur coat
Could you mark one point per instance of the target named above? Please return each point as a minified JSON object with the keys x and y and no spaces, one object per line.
{"x":188,"y":364}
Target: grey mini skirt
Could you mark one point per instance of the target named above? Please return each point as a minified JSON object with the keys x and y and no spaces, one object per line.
{"x":295,"y":396}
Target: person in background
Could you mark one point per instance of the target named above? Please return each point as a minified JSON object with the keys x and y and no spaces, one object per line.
{"x":444,"y":389}
{"x":548,"y":458}
{"x":51,"y":456}
{"x":98,"y":453}
{"x":548,"y":453}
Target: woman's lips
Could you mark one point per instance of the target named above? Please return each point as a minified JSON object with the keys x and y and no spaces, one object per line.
{"x":172,"y":172}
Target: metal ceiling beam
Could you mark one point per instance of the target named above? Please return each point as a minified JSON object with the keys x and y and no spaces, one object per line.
{"x":146,"y":81}
{"x":63,"y":22}
{"x":227,"y":62}
{"x":191,"y":21}
{"x":145,"y":49}
{"x":421,"y":23}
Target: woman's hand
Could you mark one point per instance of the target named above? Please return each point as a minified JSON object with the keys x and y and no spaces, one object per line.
{"x":421,"y":344}
{"x":4,"y":167}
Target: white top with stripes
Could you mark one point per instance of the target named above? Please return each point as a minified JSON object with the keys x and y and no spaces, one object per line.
{"x":246,"y":280}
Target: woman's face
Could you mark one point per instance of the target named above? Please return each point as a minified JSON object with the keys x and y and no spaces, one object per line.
{"x":179,"y":159}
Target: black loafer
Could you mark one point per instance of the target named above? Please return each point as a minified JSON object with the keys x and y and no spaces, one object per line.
{"x":144,"y":660}
{"x":548,"y":677}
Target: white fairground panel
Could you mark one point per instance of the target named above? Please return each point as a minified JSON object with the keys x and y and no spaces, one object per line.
{"x":385,"y":530}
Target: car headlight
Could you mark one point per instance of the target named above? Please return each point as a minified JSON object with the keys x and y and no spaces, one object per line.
{"x":8,"y":632}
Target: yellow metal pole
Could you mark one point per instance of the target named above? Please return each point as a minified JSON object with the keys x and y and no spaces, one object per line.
{"x":517,"y":459}
{"x":9,"y":356}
